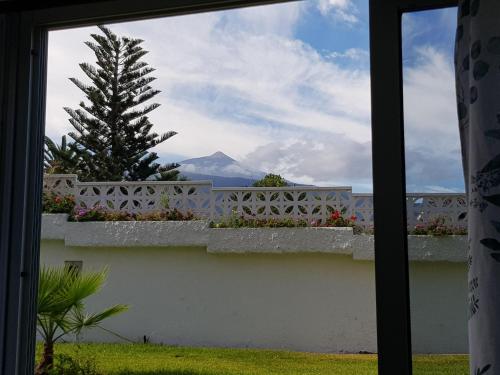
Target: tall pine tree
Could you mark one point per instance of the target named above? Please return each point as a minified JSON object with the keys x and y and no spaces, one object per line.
{"x":113,"y":133}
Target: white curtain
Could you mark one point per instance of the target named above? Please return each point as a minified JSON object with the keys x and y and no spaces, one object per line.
{"x":477,"y":68}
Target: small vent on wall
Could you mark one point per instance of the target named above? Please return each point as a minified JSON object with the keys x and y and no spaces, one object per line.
{"x":73,"y":265}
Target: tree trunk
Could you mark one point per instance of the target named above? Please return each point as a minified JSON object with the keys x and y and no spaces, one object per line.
{"x":47,"y":361}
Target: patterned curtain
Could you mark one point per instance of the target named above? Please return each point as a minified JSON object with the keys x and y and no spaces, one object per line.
{"x":477,"y":69}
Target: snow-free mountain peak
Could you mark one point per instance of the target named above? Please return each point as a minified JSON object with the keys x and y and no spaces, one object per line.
{"x":220,"y":155}
{"x":219,"y":164}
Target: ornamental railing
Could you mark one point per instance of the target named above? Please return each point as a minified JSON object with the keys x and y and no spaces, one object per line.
{"x":200,"y":197}
{"x":421,"y":208}
{"x":308,"y":203}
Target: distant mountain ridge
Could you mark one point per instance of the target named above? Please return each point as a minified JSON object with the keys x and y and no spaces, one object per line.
{"x":220,"y":168}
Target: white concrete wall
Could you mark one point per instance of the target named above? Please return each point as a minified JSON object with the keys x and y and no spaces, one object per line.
{"x":438,"y":300}
{"x":297,"y":301}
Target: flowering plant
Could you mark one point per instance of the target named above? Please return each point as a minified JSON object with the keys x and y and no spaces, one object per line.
{"x":82,"y":214}
{"x":241,"y":221}
{"x":166,"y":215}
{"x":99,"y":213}
{"x":337,"y":220}
{"x":437,"y":227}
{"x":56,"y":204}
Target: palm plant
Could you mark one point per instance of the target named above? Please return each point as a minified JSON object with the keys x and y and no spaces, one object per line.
{"x":61,"y":308}
{"x":60,"y":158}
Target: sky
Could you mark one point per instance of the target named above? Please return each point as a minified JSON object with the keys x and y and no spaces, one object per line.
{"x":285,"y":89}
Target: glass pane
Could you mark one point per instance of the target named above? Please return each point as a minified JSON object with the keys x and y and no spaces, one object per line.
{"x":436,"y":207}
{"x":250,"y":250}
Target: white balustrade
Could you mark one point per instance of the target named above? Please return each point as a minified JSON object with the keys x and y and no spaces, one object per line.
{"x":362,"y":208}
{"x":422,"y":208}
{"x":308,"y":203}
{"x":305,"y":202}
{"x":146,"y":196}
{"x":60,"y":184}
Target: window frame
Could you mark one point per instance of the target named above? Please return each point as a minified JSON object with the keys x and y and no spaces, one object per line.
{"x":23,"y":38}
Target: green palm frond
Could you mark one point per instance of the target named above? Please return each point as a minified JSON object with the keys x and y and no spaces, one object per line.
{"x":81,"y":320}
{"x":61,"y":295}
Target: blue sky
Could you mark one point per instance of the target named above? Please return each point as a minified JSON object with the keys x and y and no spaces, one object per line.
{"x":284,"y":88}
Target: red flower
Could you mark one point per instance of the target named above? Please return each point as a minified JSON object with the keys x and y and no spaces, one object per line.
{"x":353,"y":218}
{"x":335,"y":215}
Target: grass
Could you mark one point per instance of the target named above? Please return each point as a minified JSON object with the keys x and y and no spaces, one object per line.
{"x":149,"y":359}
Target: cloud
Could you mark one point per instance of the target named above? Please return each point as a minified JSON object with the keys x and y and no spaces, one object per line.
{"x":341,"y":10}
{"x":261,"y":20}
{"x":327,"y":159}
{"x":227,"y":87}
{"x":351,"y":54}
{"x":431,"y":125}
{"x":240,"y":82}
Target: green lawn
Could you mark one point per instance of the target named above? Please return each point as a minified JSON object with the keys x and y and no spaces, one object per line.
{"x":151,"y":359}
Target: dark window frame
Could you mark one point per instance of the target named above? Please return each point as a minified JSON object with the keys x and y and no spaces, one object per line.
{"x":23,"y":42}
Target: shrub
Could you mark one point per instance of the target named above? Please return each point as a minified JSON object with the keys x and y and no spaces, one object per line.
{"x":236,"y":220}
{"x":337,"y":220}
{"x":88,"y":214}
{"x":165,"y":215}
{"x":56,"y":204}
{"x":61,"y":310}
{"x":118,"y":216}
{"x":74,"y":365}
{"x":240,"y":221}
{"x":437,"y":227}
{"x":271,"y":180}
{"x":81,"y":214}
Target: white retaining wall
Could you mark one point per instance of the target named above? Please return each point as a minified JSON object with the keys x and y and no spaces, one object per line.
{"x":269,"y":296}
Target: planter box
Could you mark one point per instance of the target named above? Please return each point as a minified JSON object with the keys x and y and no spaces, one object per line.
{"x":281,"y":240}
{"x":241,"y":240}
{"x":54,"y":226}
{"x":420,"y":248}
{"x":137,"y":233}
{"x":438,"y":248}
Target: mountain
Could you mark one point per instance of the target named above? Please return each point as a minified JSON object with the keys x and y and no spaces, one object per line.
{"x":223,"y":170}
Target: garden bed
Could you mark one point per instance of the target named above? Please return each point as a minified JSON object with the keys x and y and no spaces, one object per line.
{"x":198,"y":233}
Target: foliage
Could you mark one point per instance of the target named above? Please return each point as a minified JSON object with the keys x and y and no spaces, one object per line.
{"x":336,"y":219}
{"x":437,"y":227}
{"x":55,"y":204}
{"x":244,"y":222}
{"x":236,"y":220}
{"x":164,"y":201}
{"x":271,"y":180}
{"x":112,"y":132}
{"x":61,"y":307}
{"x":77,"y":364}
{"x":165,"y":215}
{"x":60,"y":158}
{"x":81,"y":214}
{"x":127,"y":359}
{"x":88,"y":214}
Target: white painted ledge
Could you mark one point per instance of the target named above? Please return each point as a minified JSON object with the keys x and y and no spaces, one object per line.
{"x":280,"y":240}
{"x":197,"y":233}
{"x":54,"y":226}
{"x":420,"y":248}
{"x":137,"y":233}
